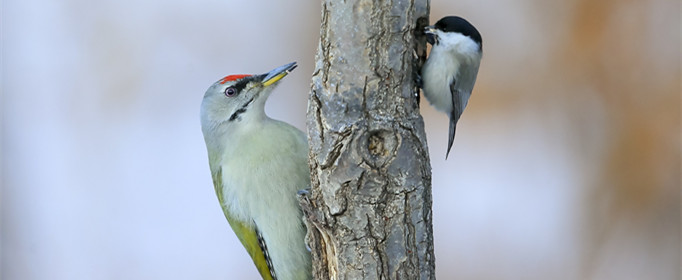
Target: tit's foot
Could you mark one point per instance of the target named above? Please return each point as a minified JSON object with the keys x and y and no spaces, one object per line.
{"x":418,"y":81}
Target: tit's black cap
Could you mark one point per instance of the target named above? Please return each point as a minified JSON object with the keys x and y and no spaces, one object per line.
{"x":459,"y":25}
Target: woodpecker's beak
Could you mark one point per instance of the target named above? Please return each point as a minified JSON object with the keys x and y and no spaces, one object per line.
{"x":431,"y":37}
{"x":277,"y":74}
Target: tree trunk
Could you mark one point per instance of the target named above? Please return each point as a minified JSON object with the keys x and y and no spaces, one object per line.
{"x":369,"y":209}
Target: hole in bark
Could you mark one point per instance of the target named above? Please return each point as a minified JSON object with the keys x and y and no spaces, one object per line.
{"x":376,"y":145}
{"x":379,"y":144}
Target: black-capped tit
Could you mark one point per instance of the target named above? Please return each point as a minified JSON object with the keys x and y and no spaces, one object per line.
{"x":449,"y":74}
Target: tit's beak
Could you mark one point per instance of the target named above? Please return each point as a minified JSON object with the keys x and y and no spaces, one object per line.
{"x":430,"y":32}
{"x":277,"y":74}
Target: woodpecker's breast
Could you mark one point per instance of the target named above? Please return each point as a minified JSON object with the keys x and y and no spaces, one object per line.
{"x":262,"y":169}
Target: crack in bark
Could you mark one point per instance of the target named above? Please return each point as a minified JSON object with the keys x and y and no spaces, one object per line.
{"x":364,"y":100}
{"x":361,"y":180}
{"x":318,"y":115}
{"x":410,"y":237}
{"x":325,"y":45}
{"x":336,"y":150}
{"x":383,"y":263}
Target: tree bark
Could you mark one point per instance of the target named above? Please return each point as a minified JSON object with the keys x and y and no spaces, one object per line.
{"x":369,"y":209}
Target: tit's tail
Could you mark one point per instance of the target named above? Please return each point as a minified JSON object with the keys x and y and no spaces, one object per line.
{"x":451,"y":137}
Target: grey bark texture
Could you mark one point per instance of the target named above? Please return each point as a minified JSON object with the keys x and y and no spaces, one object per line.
{"x":369,"y":209}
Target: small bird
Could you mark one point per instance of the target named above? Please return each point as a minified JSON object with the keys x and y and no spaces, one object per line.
{"x":258,"y":164}
{"x":449,"y":74}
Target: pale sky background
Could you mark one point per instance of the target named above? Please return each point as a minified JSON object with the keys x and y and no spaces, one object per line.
{"x":566,"y":163}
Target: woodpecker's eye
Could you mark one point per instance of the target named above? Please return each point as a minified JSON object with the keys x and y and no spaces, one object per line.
{"x":231,"y":91}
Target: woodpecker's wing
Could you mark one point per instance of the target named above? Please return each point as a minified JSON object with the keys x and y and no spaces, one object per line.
{"x":248,"y":235}
{"x":255,"y":246}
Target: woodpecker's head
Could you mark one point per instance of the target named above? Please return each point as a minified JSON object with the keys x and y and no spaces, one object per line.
{"x":236,"y":98}
{"x":454,"y":32}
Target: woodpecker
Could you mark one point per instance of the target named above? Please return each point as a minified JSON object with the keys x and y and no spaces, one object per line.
{"x":258,"y":164}
{"x":449,"y":73}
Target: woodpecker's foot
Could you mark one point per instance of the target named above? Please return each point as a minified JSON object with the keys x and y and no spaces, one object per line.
{"x":303,"y":192}
{"x":418,"y":81}
{"x":304,"y":200}
{"x":303,"y":195}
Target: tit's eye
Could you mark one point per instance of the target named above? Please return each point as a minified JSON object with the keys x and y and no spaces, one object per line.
{"x":230,"y":91}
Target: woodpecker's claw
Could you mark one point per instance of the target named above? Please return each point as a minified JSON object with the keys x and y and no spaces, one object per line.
{"x":303,"y":192}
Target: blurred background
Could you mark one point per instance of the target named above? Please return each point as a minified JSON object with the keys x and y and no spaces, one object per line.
{"x":566,"y":163}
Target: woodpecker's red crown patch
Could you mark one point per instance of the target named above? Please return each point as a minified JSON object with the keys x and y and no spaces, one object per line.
{"x":231,"y":78}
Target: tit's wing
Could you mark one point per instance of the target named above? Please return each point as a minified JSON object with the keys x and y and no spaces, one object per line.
{"x":460,"y":88}
{"x":457,"y":108}
{"x":248,"y":235}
